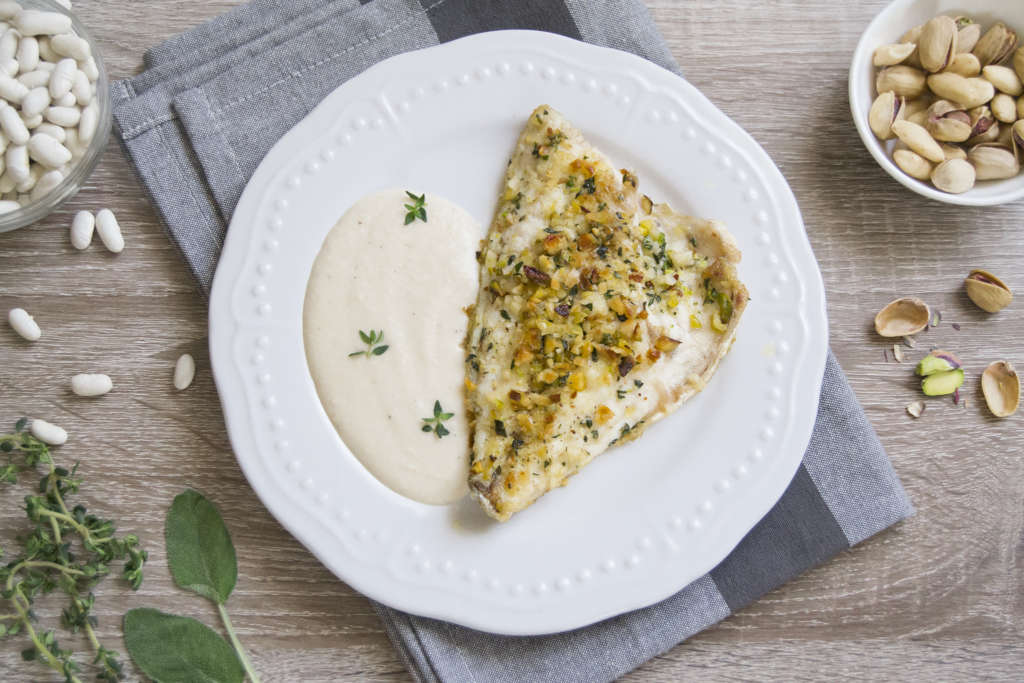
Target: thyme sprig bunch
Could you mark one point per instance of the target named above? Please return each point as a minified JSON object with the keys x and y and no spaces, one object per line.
{"x":67,"y":549}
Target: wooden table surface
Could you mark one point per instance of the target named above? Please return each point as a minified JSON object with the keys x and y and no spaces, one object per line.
{"x":940,"y":596}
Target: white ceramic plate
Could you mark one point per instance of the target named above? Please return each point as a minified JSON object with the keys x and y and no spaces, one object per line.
{"x":642,"y":521}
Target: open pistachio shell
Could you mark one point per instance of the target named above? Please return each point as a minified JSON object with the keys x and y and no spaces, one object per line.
{"x":1018,"y":62}
{"x":938,"y":42}
{"x":954,"y":176}
{"x":969,"y":92}
{"x":913,"y":164}
{"x":993,"y":162}
{"x":1004,"y":108}
{"x":1004,"y":79}
{"x":887,"y":108}
{"x":943,"y":383}
{"x":948,"y":122}
{"x":996,"y":44}
{"x":891,"y":55}
{"x":902,"y":317}
{"x":903,"y":80}
{"x":1001,"y":386}
{"x":966,"y":64}
{"x":968,"y":35}
{"x":919,"y":139}
{"x":987,"y":291}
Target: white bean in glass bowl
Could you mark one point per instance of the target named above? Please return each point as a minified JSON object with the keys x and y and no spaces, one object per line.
{"x":887,"y":28}
{"x":55,"y":107}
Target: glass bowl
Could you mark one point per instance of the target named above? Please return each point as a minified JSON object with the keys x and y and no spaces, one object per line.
{"x":69,"y":187}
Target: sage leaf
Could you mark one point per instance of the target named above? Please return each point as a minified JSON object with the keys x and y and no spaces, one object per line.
{"x":173,"y":649}
{"x":200,"y":554}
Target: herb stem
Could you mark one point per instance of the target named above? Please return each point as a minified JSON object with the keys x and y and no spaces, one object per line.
{"x":242,"y":655}
{"x":41,"y":648}
{"x":51,"y":565}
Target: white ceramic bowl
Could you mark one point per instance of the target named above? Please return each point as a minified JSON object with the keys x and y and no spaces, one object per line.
{"x":887,"y":27}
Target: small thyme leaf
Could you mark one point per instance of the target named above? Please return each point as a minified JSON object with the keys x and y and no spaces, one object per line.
{"x":370,"y":339}
{"x":416,"y":210}
{"x":435,"y":423}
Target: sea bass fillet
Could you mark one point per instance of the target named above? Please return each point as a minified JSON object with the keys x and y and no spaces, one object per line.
{"x":599,"y":312}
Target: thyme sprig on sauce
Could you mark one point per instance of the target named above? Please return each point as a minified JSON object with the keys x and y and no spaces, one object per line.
{"x":436,"y":424}
{"x":371,"y":340}
{"x":418,"y":208}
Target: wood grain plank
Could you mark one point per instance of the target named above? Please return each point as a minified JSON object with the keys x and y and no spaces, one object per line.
{"x":940,"y":596}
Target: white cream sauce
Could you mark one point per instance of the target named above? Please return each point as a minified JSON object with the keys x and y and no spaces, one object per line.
{"x":413,"y":282}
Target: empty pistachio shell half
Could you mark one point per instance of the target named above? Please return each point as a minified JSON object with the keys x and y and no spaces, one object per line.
{"x":996,"y":44}
{"x":969,"y":92}
{"x":886,"y":109}
{"x":937,"y":44}
{"x":915,"y":408}
{"x":1004,"y":78}
{"x":965,"y":64}
{"x":942,"y":383}
{"x":993,"y":162}
{"x":902,"y":317}
{"x":954,"y":176}
{"x":968,"y":35}
{"x":905,"y":81}
{"x":1004,"y":108}
{"x":891,"y":55}
{"x":948,"y":122}
{"x":917,"y":138}
{"x":913,"y":164}
{"x":937,"y":361}
{"x":987,"y":291}
{"x":1000,"y":385}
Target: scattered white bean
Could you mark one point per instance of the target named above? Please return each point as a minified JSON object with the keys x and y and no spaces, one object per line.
{"x":89,"y":122}
{"x":109,"y":231}
{"x":11,"y":90}
{"x":62,"y":78}
{"x":17,"y":163}
{"x":90,"y":69}
{"x":26,"y":185}
{"x":81,"y":230}
{"x":73,"y":143}
{"x":68,"y":99}
{"x":54,"y":131}
{"x":184,"y":372}
{"x":47,"y":183}
{"x":64,"y":116}
{"x":7,"y":183}
{"x":12,"y":125}
{"x":70,"y":45}
{"x":24,"y":324}
{"x":49,"y":434}
{"x":33,"y":22}
{"x":28,"y":54}
{"x":9,"y":67}
{"x":9,"y":9}
{"x":32,"y":122}
{"x":91,"y":385}
{"x":47,"y":54}
{"x":35,"y":79}
{"x":7,"y":206}
{"x":9,"y":44}
{"x":36,"y":101}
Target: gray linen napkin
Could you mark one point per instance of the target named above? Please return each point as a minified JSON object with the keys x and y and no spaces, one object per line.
{"x":214,"y":100}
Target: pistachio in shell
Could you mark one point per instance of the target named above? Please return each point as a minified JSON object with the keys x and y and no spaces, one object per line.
{"x":1004,"y":108}
{"x":905,"y":81}
{"x":1020,"y":108}
{"x":1004,"y":79}
{"x":902,"y":317}
{"x":968,"y":34}
{"x":996,"y":44}
{"x":918,"y":139}
{"x":1018,"y":62}
{"x":886,"y":109}
{"x":988,"y":292}
{"x":891,"y":55}
{"x":968,"y":92}
{"x":937,"y":361}
{"x":953,"y":152}
{"x":938,"y":42}
{"x":948,"y":122}
{"x":913,"y":164}
{"x":954,"y":176}
{"x":965,"y":64}
{"x":993,"y":162}
{"x":1000,"y":385}
{"x":1017,"y":139}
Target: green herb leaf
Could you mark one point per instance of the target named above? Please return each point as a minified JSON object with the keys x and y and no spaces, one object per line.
{"x":435,"y":423}
{"x":173,"y":649}
{"x":365,"y":337}
{"x":379,"y":350}
{"x":370,"y":339}
{"x":200,"y":554}
{"x":417,"y":209}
